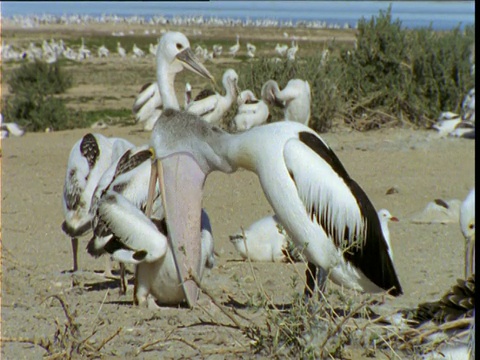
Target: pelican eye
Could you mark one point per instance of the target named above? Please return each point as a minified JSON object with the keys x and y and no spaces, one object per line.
{"x":471,"y":226}
{"x":179,"y":46}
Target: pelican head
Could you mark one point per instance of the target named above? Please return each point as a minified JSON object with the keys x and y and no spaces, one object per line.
{"x":467,"y":225}
{"x":174,"y":49}
{"x":230,"y":81}
{"x":270,"y":92}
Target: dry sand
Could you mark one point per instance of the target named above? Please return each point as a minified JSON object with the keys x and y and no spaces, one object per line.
{"x":35,"y":252}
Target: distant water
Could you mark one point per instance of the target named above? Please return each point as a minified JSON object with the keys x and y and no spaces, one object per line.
{"x":442,"y":15}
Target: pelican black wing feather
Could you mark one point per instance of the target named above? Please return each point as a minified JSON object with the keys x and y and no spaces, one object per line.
{"x":90,"y":149}
{"x":371,"y":254}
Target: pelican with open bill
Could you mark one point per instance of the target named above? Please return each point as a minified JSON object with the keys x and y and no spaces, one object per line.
{"x":320,"y":206}
{"x":181,"y":186}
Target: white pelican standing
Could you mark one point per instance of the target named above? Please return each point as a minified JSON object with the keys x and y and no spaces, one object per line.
{"x":321,"y":207}
{"x":234,"y":49}
{"x":88,"y":159}
{"x":467,"y":225}
{"x":213,"y":107}
{"x":121,"y":51}
{"x":251,"y":111}
{"x":295,"y":98}
{"x":173,"y":55}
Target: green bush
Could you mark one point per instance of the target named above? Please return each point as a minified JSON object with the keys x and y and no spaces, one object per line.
{"x":393,"y":76}
{"x":33,"y":105}
{"x":41,"y":77}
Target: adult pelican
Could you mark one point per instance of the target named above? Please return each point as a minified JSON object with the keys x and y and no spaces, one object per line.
{"x":321,"y":207}
{"x":173,"y":55}
{"x":212,"y":107}
{"x":295,"y":98}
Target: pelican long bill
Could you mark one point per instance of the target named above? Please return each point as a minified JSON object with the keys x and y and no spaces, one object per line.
{"x":181,"y":185}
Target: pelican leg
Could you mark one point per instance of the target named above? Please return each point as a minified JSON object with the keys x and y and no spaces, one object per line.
{"x":315,"y":275}
{"x":108,"y":269}
{"x":75,"y":253}
{"x":123,"y":279}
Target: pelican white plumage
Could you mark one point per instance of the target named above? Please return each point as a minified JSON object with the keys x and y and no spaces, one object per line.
{"x":10,"y":128}
{"x":152,"y":49}
{"x":251,"y":111}
{"x":137,"y":52}
{"x":121,"y":51}
{"x":235,"y":48}
{"x":173,"y":55}
{"x":88,"y":160}
{"x":446,"y":123}
{"x":295,"y":98}
{"x":144,"y":243}
{"x":281,"y":49}
{"x":212,"y":108}
{"x":103,"y":51}
{"x":321,"y":207}
{"x":264,"y":240}
{"x":467,"y":225}
{"x":217,"y":50}
{"x":188,"y":94}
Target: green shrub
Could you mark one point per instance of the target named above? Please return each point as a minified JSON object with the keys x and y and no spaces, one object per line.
{"x":393,"y":76}
{"x":41,"y":77}
{"x":33,"y":104}
{"x":37,"y":112}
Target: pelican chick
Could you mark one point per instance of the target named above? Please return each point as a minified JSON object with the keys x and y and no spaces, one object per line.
{"x":88,"y":160}
{"x":212,"y":108}
{"x":251,"y":111}
{"x":295,"y":98}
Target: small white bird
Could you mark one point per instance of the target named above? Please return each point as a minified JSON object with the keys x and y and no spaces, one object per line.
{"x":10,"y":128}
{"x":137,"y":52}
{"x":295,"y":98}
{"x":385,"y":217}
{"x":152,"y":49}
{"x":235,"y":48}
{"x":213,"y":106}
{"x":264,"y":240}
{"x":121,"y":51}
{"x":281,"y":49}
{"x":251,"y":49}
{"x":217,"y":50}
{"x":103,"y":51}
{"x":251,"y":111}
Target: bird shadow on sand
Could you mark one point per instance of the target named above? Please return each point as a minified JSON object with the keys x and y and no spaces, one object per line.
{"x":104,"y":285}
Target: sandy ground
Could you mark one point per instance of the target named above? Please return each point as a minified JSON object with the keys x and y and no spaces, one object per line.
{"x":36,"y":254}
{"x":35,"y":251}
